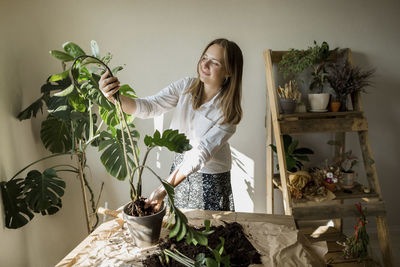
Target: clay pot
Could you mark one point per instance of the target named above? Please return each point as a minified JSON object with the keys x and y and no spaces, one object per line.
{"x":145,"y":230}
{"x":335,"y":106}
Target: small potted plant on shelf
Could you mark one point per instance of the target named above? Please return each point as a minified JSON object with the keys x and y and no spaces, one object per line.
{"x":294,"y":155}
{"x":345,"y":161}
{"x":289,"y":97}
{"x":346,"y":80}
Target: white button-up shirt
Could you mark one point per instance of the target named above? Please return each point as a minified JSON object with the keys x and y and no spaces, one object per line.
{"x":211,"y":152}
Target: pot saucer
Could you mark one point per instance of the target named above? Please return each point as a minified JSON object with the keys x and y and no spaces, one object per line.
{"x":318,"y":110}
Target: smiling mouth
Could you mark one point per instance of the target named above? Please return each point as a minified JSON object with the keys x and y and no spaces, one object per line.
{"x":204,"y":73}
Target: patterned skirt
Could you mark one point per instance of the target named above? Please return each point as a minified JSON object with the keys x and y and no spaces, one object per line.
{"x":204,"y":191}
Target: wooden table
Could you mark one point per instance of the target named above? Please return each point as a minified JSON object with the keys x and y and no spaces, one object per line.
{"x":192,"y":215}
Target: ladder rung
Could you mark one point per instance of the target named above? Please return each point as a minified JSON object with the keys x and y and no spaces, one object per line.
{"x":324,"y":125}
{"x":321,"y":212}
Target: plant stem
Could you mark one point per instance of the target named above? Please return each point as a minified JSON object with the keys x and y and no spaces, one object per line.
{"x":66,"y":170}
{"x":91,"y":201}
{"x":81,"y":164}
{"x":51,"y":156}
{"x":179,"y":257}
{"x":138,"y":193}
{"x":90,"y":120}
{"x":139,"y":182}
{"x":118,"y":108}
{"x":65,"y":165}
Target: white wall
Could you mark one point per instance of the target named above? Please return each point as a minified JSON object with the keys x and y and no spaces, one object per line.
{"x":160,"y":42}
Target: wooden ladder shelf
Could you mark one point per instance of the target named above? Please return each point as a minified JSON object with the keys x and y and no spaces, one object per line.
{"x":335,"y":122}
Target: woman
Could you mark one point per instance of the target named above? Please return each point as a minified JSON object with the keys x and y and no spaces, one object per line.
{"x":207,"y":111}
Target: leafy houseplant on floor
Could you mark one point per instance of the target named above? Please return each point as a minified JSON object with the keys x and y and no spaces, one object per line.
{"x":346,"y":80}
{"x":68,"y":130}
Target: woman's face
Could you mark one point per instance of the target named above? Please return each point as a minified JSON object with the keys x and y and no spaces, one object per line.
{"x":211,"y":66}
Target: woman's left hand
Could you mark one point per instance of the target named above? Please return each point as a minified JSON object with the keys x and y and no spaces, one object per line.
{"x":156,"y":198}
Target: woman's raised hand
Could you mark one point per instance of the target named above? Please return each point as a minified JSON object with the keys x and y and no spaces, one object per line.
{"x":108,"y":86}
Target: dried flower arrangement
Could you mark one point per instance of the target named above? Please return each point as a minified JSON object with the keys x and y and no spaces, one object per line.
{"x":290,"y":91}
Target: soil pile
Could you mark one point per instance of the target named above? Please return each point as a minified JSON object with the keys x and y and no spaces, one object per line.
{"x":241,"y":251}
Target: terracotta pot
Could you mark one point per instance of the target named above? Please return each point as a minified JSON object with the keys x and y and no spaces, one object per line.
{"x":145,"y":230}
{"x":331,"y":187}
{"x":335,"y":106}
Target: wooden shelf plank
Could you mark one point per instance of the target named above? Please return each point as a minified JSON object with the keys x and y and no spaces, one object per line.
{"x":324,"y":125}
{"x":356,"y":193}
{"x":305,"y":115}
{"x":330,"y":211}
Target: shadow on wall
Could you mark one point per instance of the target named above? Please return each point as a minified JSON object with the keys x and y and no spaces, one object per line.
{"x":242,"y":179}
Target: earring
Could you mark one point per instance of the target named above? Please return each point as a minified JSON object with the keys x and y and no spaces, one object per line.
{"x":226,"y":81}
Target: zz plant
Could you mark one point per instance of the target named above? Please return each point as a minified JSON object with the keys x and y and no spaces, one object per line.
{"x":114,"y":141}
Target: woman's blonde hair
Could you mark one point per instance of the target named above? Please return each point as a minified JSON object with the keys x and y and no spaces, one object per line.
{"x":231,"y":91}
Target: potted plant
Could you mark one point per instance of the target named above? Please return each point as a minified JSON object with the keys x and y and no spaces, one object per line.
{"x":296,"y":61}
{"x":289,"y":97}
{"x":120,"y":159}
{"x":345,"y":161}
{"x":294,"y":155}
{"x":346,"y":80}
{"x":68,"y":130}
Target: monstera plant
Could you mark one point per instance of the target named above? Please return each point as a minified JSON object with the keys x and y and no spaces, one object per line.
{"x":70,"y":127}
{"x":119,"y":146}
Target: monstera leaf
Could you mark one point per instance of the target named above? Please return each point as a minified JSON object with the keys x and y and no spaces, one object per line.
{"x":170,"y":139}
{"x":55,"y":86}
{"x":16,"y":210}
{"x":113,"y":157}
{"x":44,"y":191}
{"x":32,"y":110}
{"x":56,"y":135}
{"x":59,"y":107}
{"x":73,"y":49}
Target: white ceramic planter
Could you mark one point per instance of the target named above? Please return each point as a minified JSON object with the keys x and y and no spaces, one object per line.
{"x":145,"y":230}
{"x":318,"y":102}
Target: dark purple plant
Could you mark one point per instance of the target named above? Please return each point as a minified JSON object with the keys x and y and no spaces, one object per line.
{"x":346,"y":79}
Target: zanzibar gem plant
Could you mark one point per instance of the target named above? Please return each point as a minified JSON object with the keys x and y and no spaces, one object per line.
{"x":294,"y":155}
{"x":120,"y":149}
